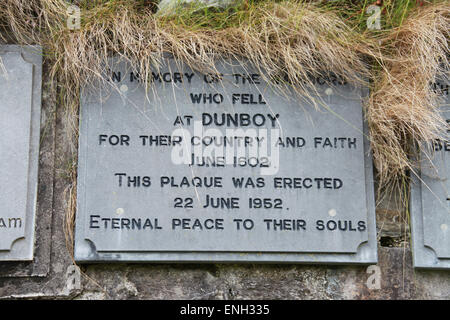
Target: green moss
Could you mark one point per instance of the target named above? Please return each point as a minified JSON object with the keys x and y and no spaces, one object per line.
{"x":393,"y":12}
{"x":195,"y":16}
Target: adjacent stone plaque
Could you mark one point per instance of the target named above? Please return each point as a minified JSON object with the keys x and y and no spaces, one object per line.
{"x":222,"y":168}
{"x":430,"y":199}
{"x":20,"y":100}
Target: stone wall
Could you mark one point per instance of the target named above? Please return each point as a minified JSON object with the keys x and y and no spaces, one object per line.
{"x":52,"y":274}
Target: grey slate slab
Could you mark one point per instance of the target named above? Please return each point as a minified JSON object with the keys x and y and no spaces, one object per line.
{"x":151,"y":218}
{"x":430,"y":198}
{"x":20,"y":99}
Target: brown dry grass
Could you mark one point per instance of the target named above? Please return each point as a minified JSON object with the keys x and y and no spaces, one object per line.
{"x":290,"y":40}
{"x":402,"y":108}
{"x":295,"y":41}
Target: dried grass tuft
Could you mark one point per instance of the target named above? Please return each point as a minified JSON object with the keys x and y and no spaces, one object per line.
{"x":402,"y":108}
{"x":288,"y":40}
{"x":293,"y":41}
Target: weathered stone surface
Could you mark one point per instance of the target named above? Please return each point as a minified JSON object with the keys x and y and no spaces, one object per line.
{"x":430,"y":198}
{"x":127,"y":174}
{"x":167,"y":7}
{"x":20,"y":109}
{"x":398,"y":280}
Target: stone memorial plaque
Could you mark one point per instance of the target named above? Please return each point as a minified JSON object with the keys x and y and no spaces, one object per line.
{"x":196,"y":169}
{"x":20,"y":100}
{"x":430,"y":199}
